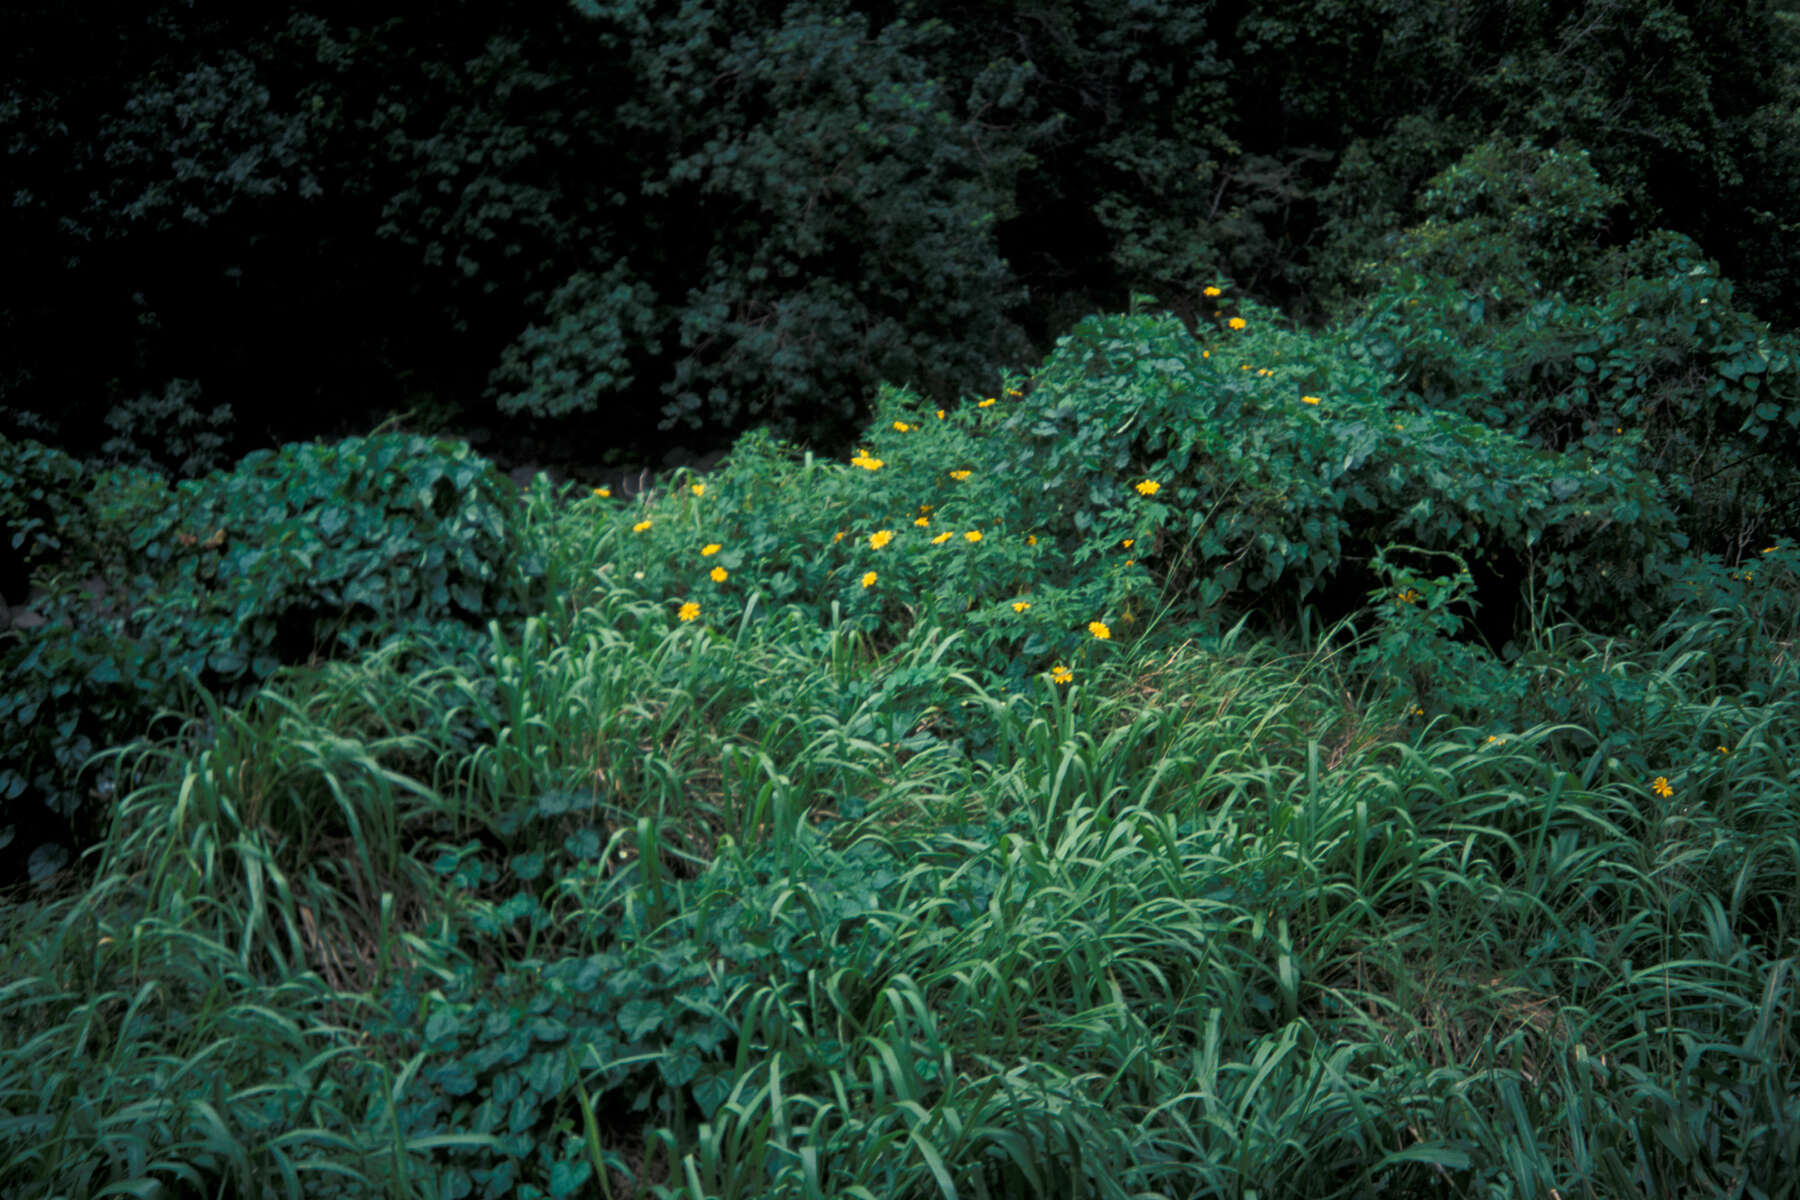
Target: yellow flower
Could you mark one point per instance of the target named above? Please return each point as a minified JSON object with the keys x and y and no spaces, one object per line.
{"x":868,"y":580}
{"x":902,"y":427}
{"x":940,"y":539}
{"x":1660,"y":785}
{"x":710,"y":549}
{"x":603,"y":493}
{"x":1210,"y":291}
{"x":880,"y":538}
{"x":1014,"y":392}
{"x":959,"y":476}
{"x":1099,"y":630}
{"x":1206,"y":354}
{"x":1770,"y":549}
{"x":940,"y":414}
{"x":1130,"y":562}
{"x":719,"y":574}
{"x":1021,"y":605}
{"x":837,"y":537}
{"x":1031,"y":539}
{"x":689,"y":611}
{"x":1149,"y":487}
{"x":974,"y":535}
{"x":699,"y":489}
{"x":640,"y":527}
{"x":988,"y":403}
{"x":1309,"y":400}
{"x":921,"y":522}
{"x":1409,"y":596}
{"x":867,"y":463}
{"x":1237,"y":322}
{"x":1724,"y":749}
{"x":1128,"y":543}
{"x":1061,"y":674}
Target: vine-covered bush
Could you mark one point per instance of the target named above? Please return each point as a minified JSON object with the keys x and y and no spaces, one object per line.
{"x":312,"y":551}
{"x":1506,"y":305}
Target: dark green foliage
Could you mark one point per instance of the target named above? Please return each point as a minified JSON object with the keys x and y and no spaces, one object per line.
{"x":1506,"y":305}
{"x":311,"y":552}
{"x":1261,"y":492}
{"x":42,"y":516}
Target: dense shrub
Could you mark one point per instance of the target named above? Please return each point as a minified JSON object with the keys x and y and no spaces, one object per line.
{"x":1507,"y":306}
{"x":310,"y":552}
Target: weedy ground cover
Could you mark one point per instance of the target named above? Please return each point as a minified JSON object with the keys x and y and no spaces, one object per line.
{"x":927,"y":824}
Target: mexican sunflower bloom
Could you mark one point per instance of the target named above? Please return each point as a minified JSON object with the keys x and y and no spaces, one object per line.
{"x":710,"y":549}
{"x":1099,"y":630}
{"x":720,"y":574}
{"x":1660,"y":785}
{"x":1237,"y":323}
{"x":1061,"y":674}
{"x":689,"y":611}
{"x":1149,"y":487}
{"x":868,"y":580}
{"x":880,"y":538}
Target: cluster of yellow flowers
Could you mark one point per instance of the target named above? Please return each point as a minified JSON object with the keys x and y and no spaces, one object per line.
{"x":867,"y":463}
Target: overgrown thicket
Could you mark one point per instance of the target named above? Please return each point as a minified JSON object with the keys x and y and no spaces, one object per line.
{"x":1325,"y":729}
{"x":992,"y":813}
{"x":614,"y":225}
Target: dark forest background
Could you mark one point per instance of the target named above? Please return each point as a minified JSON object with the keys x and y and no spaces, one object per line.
{"x":613,"y":231}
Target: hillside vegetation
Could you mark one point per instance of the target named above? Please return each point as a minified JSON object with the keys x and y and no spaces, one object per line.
{"x":1244,"y":644}
{"x":994,"y":813}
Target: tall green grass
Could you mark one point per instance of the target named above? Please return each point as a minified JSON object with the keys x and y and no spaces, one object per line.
{"x":766,"y":906}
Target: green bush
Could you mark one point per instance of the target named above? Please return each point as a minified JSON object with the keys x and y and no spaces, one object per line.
{"x":310,"y":552}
